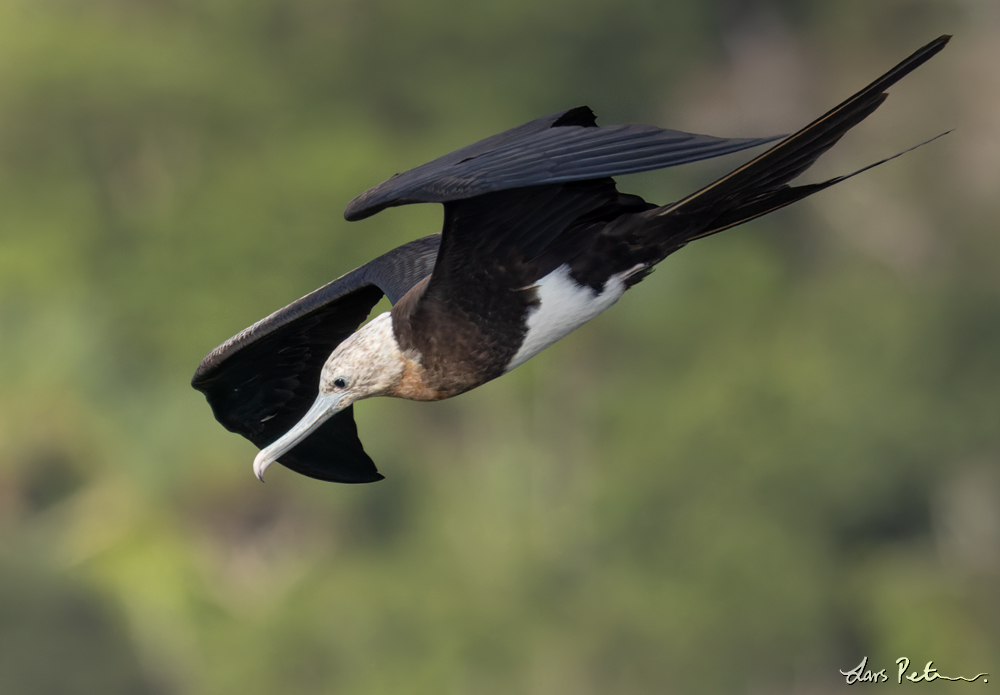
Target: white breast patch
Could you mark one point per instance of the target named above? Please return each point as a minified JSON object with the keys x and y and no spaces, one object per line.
{"x":564,"y":306}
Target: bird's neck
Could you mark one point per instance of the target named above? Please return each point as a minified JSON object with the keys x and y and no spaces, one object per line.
{"x":385,"y":367}
{"x":415,"y":384}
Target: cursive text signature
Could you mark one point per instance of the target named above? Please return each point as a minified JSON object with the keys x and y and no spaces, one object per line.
{"x":862,"y":674}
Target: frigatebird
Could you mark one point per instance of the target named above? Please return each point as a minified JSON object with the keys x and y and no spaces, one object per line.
{"x":537,"y":240}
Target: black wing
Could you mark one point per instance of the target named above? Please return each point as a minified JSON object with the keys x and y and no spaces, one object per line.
{"x":761,"y":185}
{"x":497,"y":242}
{"x":262,"y":381}
{"x":562,"y":147}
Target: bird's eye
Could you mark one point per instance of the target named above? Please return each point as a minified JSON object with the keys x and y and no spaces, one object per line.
{"x":340,"y":382}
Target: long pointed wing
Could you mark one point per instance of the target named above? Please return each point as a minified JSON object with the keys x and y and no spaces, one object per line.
{"x":562,"y":147}
{"x":261,"y":381}
{"x":497,"y":242}
{"x":761,"y":185}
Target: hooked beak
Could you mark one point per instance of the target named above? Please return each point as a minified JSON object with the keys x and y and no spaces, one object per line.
{"x":323,"y":408}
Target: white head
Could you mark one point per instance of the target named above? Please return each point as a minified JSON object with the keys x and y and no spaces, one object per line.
{"x":369,"y":363}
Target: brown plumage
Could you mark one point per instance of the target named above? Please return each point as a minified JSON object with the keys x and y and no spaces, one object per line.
{"x":537,"y":240}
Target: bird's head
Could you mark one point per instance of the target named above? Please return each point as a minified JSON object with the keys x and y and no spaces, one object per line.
{"x":369,"y":363}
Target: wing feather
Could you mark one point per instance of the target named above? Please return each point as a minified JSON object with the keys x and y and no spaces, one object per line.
{"x":261,"y":381}
{"x":558,"y":148}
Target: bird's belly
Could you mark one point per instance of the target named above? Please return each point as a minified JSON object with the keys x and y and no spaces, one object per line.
{"x":564,"y":305}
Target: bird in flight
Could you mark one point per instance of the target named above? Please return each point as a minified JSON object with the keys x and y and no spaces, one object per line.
{"x":537,"y":240}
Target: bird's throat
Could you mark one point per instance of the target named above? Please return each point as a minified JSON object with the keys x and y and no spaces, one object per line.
{"x":414,"y":385}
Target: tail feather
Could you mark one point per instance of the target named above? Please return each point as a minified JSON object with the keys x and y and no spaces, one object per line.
{"x":761,"y":185}
{"x":786,"y":195}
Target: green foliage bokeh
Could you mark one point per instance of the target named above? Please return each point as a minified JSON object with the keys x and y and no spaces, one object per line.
{"x":777,"y":455}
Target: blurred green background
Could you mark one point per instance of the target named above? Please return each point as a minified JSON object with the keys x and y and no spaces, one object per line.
{"x":777,"y":455}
